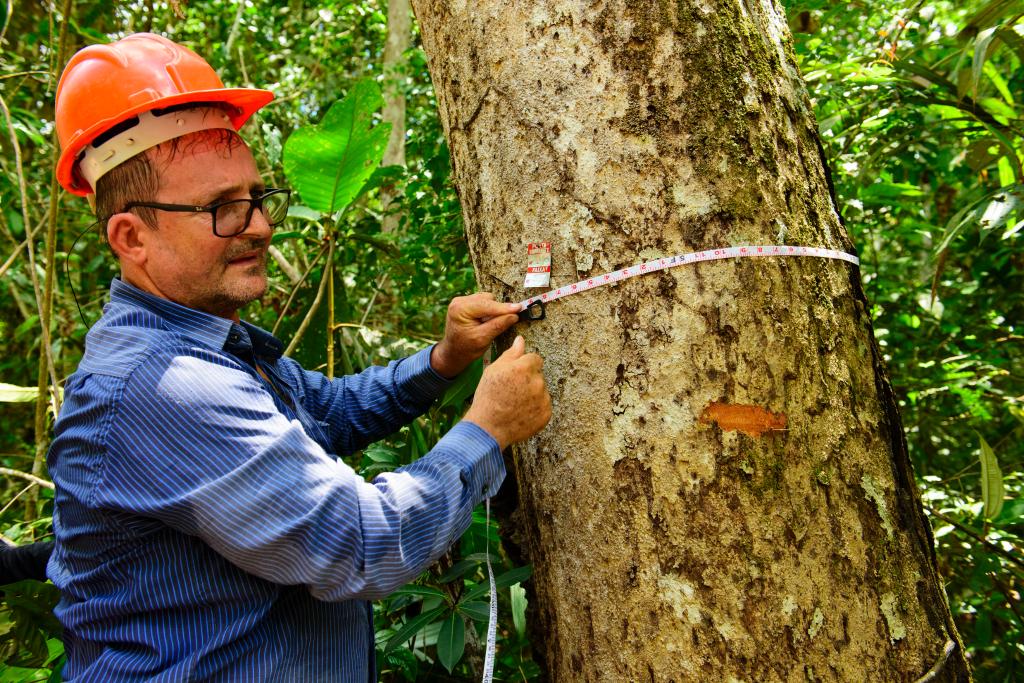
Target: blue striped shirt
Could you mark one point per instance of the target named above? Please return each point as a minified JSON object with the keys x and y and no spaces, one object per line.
{"x":206,"y":529}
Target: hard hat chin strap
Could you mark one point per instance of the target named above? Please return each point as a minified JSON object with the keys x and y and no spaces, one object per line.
{"x":150,"y":131}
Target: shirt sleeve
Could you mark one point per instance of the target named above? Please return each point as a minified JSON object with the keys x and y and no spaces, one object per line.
{"x":198,"y":444}
{"x":367,"y":406}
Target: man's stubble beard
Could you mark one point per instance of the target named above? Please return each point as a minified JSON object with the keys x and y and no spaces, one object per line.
{"x":230,"y":297}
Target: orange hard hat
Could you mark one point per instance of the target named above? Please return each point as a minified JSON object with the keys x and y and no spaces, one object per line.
{"x":106,"y":85}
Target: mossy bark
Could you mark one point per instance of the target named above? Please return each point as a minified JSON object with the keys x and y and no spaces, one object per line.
{"x":723,"y":492}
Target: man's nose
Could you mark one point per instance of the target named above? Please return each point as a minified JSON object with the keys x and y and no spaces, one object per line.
{"x":259,"y":226}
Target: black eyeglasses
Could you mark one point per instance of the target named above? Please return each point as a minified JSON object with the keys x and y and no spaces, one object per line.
{"x":231,"y":217}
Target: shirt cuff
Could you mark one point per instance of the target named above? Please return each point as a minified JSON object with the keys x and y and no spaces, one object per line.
{"x":415,"y":375}
{"x":472,"y":447}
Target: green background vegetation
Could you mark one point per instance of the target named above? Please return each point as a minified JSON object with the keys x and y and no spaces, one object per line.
{"x":920,"y":110}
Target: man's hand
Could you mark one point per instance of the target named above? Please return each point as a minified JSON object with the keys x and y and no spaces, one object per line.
{"x":512,"y":402}
{"x":473,"y":323}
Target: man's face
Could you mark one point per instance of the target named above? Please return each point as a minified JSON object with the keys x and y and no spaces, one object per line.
{"x":185,"y":261}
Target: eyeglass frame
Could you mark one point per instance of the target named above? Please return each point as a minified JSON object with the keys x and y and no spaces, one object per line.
{"x":254,"y":203}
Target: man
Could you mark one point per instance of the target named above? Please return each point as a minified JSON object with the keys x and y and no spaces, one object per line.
{"x":205,"y":528}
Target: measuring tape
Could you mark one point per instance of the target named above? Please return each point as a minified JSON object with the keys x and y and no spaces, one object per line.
{"x":492,"y":620}
{"x":533,"y":308}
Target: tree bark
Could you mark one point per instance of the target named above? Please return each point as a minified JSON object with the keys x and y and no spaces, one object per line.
{"x":724,"y":491}
{"x":398,"y":41}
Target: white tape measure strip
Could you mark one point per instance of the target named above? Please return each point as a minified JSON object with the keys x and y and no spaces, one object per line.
{"x":492,"y":622}
{"x":683,"y":259}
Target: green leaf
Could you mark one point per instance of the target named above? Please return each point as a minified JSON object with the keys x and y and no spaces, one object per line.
{"x":459,"y":569}
{"x":1012,"y":40}
{"x":382,"y":453}
{"x":451,"y":641}
{"x":988,"y":213}
{"x":477,"y":610}
{"x":924,"y":77}
{"x":885,"y":193}
{"x":300,"y":211}
{"x":91,"y":34}
{"x":384,"y":175}
{"x":374,"y":241}
{"x":10,"y":393}
{"x":1000,"y":84}
{"x":983,"y":629}
{"x":58,"y":668}
{"x":419,"y":592}
{"x":402,"y":661}
{"x":992,"y":13}
{"x":329,"y":163}
{"x":30,"y":323}
{"x":982,"y":153}
{"x":1012,"y":513}
{"x":517,"y":594}
{"x":517,"y":575}
{"x":992,"y":490}
{"x":279,"y":237}
{"x":419,"y":440}
{"x":982,"y":47}
{"x":412,"y":627}
{"x":464,"y":385}
{"x":32,"y":643}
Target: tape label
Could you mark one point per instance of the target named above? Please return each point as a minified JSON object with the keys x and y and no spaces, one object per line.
{"x":538,"y":265}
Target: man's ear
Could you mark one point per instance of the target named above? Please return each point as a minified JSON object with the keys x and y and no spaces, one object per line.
{"x":126,"y":234}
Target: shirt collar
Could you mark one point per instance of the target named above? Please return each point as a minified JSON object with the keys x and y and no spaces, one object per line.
{"x":200,"y":327}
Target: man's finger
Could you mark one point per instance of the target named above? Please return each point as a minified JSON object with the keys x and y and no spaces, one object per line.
{"x":495,"y":326}
{"x":515,"y":351}
{"x":533,"y":361}
{"x":487,"y":308}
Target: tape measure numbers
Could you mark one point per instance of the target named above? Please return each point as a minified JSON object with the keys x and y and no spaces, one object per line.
{"x":533,"y":307}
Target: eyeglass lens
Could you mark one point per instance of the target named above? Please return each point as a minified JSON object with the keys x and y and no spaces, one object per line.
{"x":233,"y":217}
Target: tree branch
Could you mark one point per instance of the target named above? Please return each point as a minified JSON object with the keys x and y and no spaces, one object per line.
{"x":295,"y":289}
{"x":939,"y":663}
{"x":297,"y":337}
{"x":977,"y":537}
{"x":28,"y":477}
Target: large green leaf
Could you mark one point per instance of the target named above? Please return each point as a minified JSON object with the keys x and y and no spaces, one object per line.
{"x":451,"y":641}
{"x":412,"y":627}
{"x":992,"y":490}
{"x":464,"y":385}
{"x":10,"y":393}
{"x":330,"y":162}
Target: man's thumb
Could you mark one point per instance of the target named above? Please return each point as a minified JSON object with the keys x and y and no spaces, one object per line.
{"x":516,"y":350}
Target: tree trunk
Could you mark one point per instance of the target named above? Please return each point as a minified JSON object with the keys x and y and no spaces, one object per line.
{"x":398,"y":41}
{"x":724,"y":491}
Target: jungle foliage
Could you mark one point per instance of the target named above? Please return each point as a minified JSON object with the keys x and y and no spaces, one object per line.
{"x":921,"y":110}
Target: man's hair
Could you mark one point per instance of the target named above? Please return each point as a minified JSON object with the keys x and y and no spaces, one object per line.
{"x":138,"y":178}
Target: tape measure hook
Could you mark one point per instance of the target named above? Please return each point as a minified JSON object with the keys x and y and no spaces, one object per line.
{"x":532,"y":311}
